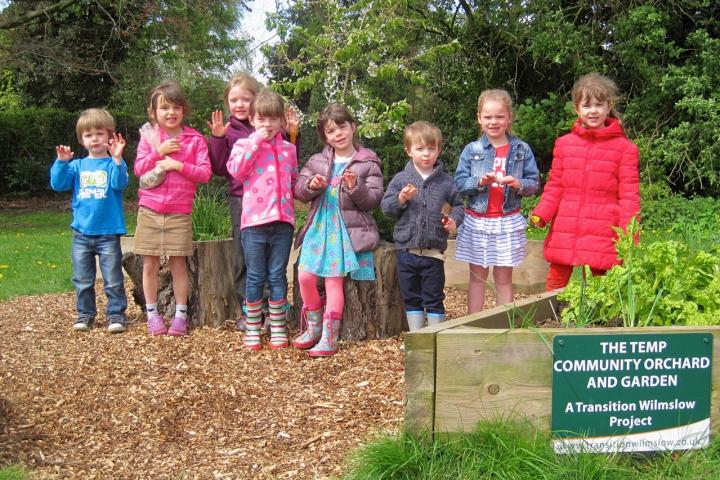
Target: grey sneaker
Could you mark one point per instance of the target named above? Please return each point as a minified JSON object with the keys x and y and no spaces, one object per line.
{"x":83,"y":324}
{"x":117,"y":327}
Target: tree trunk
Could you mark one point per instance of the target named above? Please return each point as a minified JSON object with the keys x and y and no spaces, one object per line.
{"x":373,"y":309}
{"x":211,"y":299}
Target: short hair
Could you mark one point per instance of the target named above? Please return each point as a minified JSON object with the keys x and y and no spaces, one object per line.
{"x":168,"y":91}
{"x":423,"y":132}
{"x":498,"y":95}
{"x":599,"y":87}
{"x":94,"y":118}
{"x":244,"y":81}
{"x":268,"y":104}
{"x":334,"y":112}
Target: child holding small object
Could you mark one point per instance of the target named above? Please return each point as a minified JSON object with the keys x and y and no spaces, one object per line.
{"x":425,"y":216}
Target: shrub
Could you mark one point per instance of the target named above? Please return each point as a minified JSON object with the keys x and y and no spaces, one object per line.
{"x":211,"y":212}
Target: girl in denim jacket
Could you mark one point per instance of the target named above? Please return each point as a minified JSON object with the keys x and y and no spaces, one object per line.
{"x":493,"y":173}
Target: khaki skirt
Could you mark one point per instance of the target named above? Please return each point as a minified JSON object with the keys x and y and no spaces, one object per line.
{"x":159,"y":234}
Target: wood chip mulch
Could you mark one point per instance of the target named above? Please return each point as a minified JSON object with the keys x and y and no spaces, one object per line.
{"x":96,"y":405}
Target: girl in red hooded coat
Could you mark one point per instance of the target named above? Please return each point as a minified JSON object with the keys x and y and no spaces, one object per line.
{"x":593,"y":185}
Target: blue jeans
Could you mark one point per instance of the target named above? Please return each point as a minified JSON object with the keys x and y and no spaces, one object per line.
{"x":267,"y":252}
{"x":422,"y":280}
{"x":107,"y":248}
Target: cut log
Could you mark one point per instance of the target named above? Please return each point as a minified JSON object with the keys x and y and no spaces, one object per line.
{"x":373,"y":309}
{"x":212,"y":299}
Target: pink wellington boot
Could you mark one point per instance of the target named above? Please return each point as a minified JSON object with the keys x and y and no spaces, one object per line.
{"x":311,"y":321}
{"x":328,"y":344}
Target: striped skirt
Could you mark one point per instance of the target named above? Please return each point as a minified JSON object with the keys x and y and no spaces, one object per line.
{"x":492,"y":241}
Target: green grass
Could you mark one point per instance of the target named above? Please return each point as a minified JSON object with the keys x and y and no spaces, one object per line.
{"x":516,"y":450}
{"x":35,"y":253}
{"x":13,"y":473}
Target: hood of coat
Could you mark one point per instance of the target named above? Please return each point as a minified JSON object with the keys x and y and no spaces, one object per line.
{"x":411,"y":171}
{"x":611,"y":129}
{"x":362,"y":154}
{"x":242,"y":125}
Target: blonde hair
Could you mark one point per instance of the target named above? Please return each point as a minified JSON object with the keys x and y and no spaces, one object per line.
{"x":168,"y":91}
{"x":422,"y":132}
{"x":497,"y":95}
{"x":268,"y":104}
{"x":94,"y":118}
{"x":334,"y":112}
{"x":599,"y":87}
{"x":244,"y":81}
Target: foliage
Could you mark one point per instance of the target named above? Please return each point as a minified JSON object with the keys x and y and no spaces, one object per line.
{"x":25,"y":165}
{"x":659,"y":283}
{"x":13,"y":473}
{"x":211,"y":212}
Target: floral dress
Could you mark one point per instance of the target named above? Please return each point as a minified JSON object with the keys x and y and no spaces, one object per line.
{"x":327,"y":250}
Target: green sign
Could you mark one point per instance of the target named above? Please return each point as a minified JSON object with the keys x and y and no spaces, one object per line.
{"x":631,"y":393}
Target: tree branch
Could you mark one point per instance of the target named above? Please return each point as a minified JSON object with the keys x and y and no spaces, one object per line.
{"x":30,"y":16}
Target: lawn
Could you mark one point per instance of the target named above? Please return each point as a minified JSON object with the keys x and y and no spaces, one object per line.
{"x":35,"y":252}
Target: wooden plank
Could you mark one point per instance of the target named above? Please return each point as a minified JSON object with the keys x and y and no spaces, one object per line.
{"x":420,"y":382}
{"x":486,"y":374}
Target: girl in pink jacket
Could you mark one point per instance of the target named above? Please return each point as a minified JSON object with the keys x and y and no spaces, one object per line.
{"x":164,"y":226}
{"x":267,"y":167}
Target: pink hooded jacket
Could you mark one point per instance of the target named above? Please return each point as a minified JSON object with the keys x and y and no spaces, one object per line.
{"x":268,"y":170}
{"x":177,"y":192}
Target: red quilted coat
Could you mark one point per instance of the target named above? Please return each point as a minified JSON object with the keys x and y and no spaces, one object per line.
{"x":593,"y":186}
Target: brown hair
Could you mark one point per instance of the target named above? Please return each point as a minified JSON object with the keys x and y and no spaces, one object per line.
{"x":599,"y":87}
{"x":244,"y":81}
{"x":268,"y":104}
{"x":498,"y":95}
{"x":334,"y":112}
{"x":422,"y":132}
{"x":168,"y":91}
{"x":94,"y":118}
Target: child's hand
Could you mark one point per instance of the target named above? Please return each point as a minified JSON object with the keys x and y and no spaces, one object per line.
{"x":449,"y":224}
{"x":511,"y":182}
{"x":488,"y":178}
{"x":349,"y":179}
{"x":64,"y":153}
{"x":169,"y":164}
{"x":536,"y":221}
{"x":169,"y":146}
{"x":318,"y":182}
{"x":408,"y":192}
{"x":217,"y":127}
{"x":265,"y":133}
{"x":116,"y":147}
{"x":293,"y":119}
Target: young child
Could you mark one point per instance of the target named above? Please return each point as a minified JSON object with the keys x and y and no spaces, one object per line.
{"x":97,"y":182}
{"x":593,"y":185}
{"x":493,"y":173}
{"x":164,"y":226}
{"x":344,"y":183}
{"x":424,"y":200}
{"x":239,"y":95}
{"x":266,"y":165}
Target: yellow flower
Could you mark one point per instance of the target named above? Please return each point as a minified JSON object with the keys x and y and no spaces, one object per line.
{"x":4,"y":266}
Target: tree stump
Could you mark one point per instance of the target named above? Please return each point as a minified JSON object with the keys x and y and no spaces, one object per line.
{"x":373,"y":309}
{"x":211,"y":299}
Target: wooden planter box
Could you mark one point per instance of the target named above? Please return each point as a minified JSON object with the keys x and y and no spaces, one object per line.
{"x":475,"y":368}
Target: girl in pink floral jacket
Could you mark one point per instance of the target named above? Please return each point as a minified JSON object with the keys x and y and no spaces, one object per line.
{"x":267,"y":166}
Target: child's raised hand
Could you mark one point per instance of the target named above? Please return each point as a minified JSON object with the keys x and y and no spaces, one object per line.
{"x":318,"y":182}
{"x":171,"y":145}
{"x":168,"y":164}
{"x":349,"y":179}
{"x":217,"y":125}
{"x":64,"y":153}
{"x":449,"y":224}
{"x":264,"y":132}
{"x":488,"y":178}
{"x":116,"y":147}
{"x":407,"y":193}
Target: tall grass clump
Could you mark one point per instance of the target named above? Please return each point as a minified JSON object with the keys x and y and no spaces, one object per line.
{"x":13,"y":473}
{"x":211,"y":213}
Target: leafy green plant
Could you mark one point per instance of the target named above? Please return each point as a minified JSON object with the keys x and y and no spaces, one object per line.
{"x":211,"y":213}
{"x":659,"y":283}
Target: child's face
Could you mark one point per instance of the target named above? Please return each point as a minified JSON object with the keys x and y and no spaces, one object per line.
{"x":593,"y":112}
{"x":270,"y":125}
{"x":169,"y":116}
{"x":95,"y":140}
{"x":494,"y":119}
{"x":340,"y":137}
{"x":423,"y":156}
{"x":239,"y":100}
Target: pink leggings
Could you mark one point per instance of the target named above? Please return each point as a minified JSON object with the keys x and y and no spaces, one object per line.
{"x":334,"y":294}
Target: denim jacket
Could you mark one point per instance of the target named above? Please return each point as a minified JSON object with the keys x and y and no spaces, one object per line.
{"x":478,"y":157}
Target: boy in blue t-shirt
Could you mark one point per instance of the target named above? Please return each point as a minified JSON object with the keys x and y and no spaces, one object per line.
{"x":97,"y":182}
